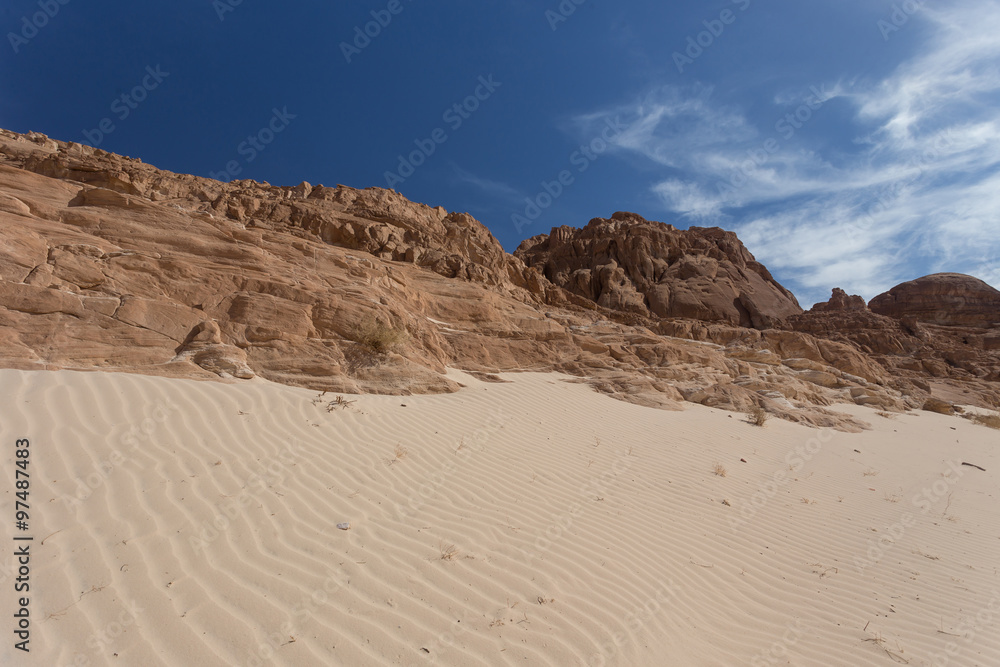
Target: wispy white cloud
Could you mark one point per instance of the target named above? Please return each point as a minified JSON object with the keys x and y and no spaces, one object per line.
{"x":495,"y":189}
{"x":920,"y":194}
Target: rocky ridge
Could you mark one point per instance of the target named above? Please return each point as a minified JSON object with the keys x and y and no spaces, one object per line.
{"x":954,"y":361}
{"x":109,"y":263}
{"x":949,"y":299}
{"x":630,"y":264}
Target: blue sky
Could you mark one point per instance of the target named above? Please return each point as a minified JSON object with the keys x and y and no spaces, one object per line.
{"x":852,"y":143}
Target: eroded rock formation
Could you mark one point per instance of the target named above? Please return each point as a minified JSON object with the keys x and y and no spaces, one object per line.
{"x":109,"y":263}
{"x":630,"y":264}
{"x":955,"y":360}
{"x":949,"y":299}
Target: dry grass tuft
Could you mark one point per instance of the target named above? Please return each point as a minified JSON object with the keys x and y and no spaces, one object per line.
{"x":871,"y":472}
{"x":380,"y":338}
{"x":895,"y":656}
{"x":399,"y":452}
{"x":448,"y":551}
{"x":719,"y":470}
{"x":758,"y":416}
{"x":992,"y":421}
{"x":339,"y":402}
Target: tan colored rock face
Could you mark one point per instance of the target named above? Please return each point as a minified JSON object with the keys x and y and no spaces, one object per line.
{"x":109,"y":263}
{"x":912,"y":352}
{"x":653,"y":269}
{"x":949,"y":299}
{"x":841,"y":301}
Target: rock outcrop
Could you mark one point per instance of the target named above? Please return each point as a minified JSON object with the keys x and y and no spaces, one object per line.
{"x":949,"y":299}
{"x":630,"y":264}
{"x":953,"y":359}
{"x":109,"y":263}
{"x":380,"y":222}
{"x":841,"y":301}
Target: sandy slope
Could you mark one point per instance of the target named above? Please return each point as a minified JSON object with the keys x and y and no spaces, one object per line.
{"x":533,"y":522}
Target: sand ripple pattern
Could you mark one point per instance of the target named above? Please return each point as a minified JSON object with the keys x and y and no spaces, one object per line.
{"x":531,"y":522}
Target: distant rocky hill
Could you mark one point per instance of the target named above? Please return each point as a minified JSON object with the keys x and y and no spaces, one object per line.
{"x":939,"y":332}
{"x":109,"y":263}
{"x":630,"y":264}
{"x":950,"y":299}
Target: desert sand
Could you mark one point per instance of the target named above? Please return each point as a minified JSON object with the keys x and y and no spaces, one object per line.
{"x":532,"y":521}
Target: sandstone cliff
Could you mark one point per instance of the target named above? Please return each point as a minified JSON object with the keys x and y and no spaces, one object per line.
{"x":109,"y":263}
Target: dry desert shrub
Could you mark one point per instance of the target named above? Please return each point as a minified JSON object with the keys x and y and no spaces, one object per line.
{"x":374,"y":340}
{"x":378,"y":337}
{"x":992,"y":421}
{"x":757,"y":416}
{"x":339,"y":402}
{"x":719,"y":470}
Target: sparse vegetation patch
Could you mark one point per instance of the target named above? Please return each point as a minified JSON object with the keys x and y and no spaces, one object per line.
{"x":380,"y":338}
{"x":758,"y":416}
{"x":991,"y":421}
